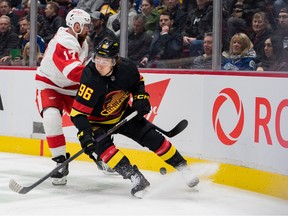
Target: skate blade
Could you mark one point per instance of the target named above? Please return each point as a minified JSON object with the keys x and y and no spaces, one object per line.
{"x":59,"y":181}
{"x":141,"y":194}
{"x":109,"y":173}
{"x":107,"y":170}
{"x":193,"y":183}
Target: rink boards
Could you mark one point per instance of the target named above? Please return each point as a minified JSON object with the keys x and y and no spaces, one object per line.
{"x":237,"y":121}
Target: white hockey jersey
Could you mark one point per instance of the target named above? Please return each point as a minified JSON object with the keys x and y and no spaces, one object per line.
{"x":62,"y":64}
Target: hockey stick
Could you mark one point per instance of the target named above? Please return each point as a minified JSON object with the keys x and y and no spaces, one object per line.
{"x":174,"y":131}
{"x":14,"y":186}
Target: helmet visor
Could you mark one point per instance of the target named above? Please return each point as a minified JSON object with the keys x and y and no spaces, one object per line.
{"x":99,"y":60}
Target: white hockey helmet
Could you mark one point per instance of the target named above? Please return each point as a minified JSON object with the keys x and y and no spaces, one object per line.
{"x":77,"y":16}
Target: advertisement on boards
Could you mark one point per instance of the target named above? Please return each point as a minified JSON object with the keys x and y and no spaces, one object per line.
{"x":246,"y":121}
{"x":232,"y":119}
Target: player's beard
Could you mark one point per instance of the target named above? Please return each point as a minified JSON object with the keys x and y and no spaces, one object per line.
{"x":81,"y":38}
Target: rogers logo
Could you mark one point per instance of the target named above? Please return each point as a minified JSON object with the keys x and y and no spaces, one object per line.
{"x":228,"y":138}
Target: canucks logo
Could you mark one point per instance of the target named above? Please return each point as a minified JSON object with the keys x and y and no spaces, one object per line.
{"x":114,"y":102}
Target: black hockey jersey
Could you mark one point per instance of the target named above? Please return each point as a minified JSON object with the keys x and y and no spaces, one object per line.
{"x":104,"y":99}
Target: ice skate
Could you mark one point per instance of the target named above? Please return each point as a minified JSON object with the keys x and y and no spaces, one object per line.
{"x":140,"y":183}
{"x":103,"y":166}
{"x":190,"y":179}
{"x":106,"y":169}
{"x":60,"y":177}
{"x":127,"y":171}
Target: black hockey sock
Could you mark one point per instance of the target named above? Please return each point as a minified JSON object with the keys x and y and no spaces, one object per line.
{"x":176,"y":160}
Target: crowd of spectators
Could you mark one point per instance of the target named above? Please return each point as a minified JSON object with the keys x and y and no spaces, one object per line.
{"x":161,"y":33}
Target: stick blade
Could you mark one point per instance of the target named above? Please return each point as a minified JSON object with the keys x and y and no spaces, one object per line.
{"x":14,"y":186}
{"x":178,"y":128}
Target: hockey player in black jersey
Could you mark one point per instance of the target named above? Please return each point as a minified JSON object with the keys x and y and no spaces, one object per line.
{"x":106,"y":85}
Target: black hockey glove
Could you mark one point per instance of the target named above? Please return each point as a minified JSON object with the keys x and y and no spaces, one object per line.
{"x":87,"y":142}
{"x":141,"y":104}
{"x":116,"y":25}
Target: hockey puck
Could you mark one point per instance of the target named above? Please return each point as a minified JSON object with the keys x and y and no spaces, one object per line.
{"x":163,"y":170}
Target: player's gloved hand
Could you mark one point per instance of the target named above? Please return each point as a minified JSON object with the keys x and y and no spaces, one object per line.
{"x":141,"y":104}
{"x":87,"y":142}
{"x":116,"y":25}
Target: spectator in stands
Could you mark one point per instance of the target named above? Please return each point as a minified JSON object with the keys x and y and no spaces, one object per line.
{"x":40,"y":16}
{"x":241,"y":56}
{"x":65,"y":4}
{"x":24,"y":36}
{"x":261,"y":31}
{"x":240,"y":19}
{"x":282,"y":29}
{"x":110,"y":8}
{"x":276,"y":57}
{"x":52,"y":22}
{"x":6,"y":9}
{"x":199,"y":21}
{"x":189,"y":5}
{"x":139,"y":6}
{"x":43,"y":2}
{"x":8,"y":40}
{"x":172,"y":6}
{"x":16,"y":4}
{"x":278,"y":5}
{"x":100,"y":31}
{"x":113,"y":22}
{"x":139,"y":40}
{"x":90,"y":46}
{"x":152,"y":16}
{"x":205,"y":61}
{"x":90,"y":5}
{"x":166,"y":44}
{"x":146,"y":7}
{"x":179,"y":16}
{"x":26,"y":53}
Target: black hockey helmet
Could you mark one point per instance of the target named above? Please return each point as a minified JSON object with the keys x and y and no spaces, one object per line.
{"x":107,"y":48}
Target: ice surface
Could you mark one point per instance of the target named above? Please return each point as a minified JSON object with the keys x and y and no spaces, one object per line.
{"x":90,"y":192}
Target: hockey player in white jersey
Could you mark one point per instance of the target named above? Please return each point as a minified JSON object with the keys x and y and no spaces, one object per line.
{"x":57,"y":80}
